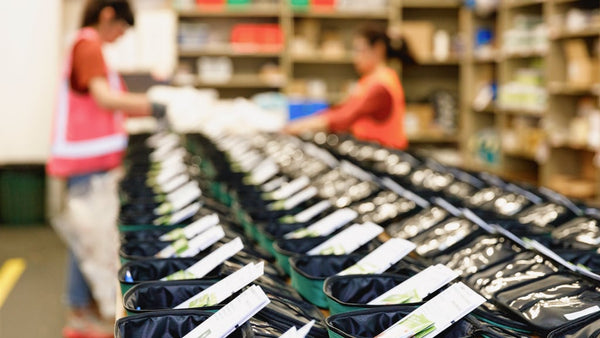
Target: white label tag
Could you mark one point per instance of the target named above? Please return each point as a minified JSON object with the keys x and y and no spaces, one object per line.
{"x":251,"y":161}
{"x":355,"y":171}
{"x":348,"y":240}
{"x":301,"y":333}
{"x":203,"y":241}
{"x":184,"y":214}
{"x":179,"y":199}
{"x":193,"y":229}
{"x":290,"y":188}
{"x":273,"y":184}
{"x":310,"y":213}
{"x":264,"y":172}
{"x":168,"y":173}
{"x":174,"y":159}
{"x":386,"y":255}
{"x":416,"y":288}
{"x":226,"y":287}
{"x":210,"y":262}
{"x":326,"y":225}
{"x":321,"y":154}
{"x":300,"y":197}
{"x":582,"y":313}
{"x":437,"y":314}
{"x":184,"y":248}
{"x":155,"y":139}
{"x":178,"y":194}
{"x":395,"y":187}
{"x":164,"y":149}
{"x":174,"y":183}
{"x":232,"y":315}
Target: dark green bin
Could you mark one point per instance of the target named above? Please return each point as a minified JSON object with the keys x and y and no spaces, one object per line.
{"x":22,"y":195}
{"x":353,"y":292}
{"x":309,"y":274}
{"x":159,"y":295}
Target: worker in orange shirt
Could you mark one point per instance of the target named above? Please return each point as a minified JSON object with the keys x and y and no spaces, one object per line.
{"x":375,"y":111}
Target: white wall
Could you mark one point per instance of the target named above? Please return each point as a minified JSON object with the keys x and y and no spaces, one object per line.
{"x":149,"y":47}
{"x":29,"y":61}
{"x":33,"y":40}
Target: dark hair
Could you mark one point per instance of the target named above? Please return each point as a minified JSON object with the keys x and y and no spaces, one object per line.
{"x":393,"y":49}
{"x":91,"y":13}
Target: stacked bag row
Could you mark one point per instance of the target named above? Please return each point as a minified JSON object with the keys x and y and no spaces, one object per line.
{"x":187,"y":270}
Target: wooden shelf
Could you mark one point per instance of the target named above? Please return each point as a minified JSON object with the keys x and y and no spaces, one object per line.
{"x":504,"y":174}
{"x":567,"y":34}
{"x":433,"y":62}
{"x":487,"y":110}
{"x":431,"y":4}
{"x":526,"y":112}
{"x":524,"y":54}
{"x":572,"y":146}
{"x":239,"y":81}
{"x":231,"y":12}
{"x":432,"y":138}
{"x":488,"y":59}
{"x":520,"y":3}
{"x":519,"y":154}
{"x":316,"y":59}
{"x":226,"y":51}
{"x":346,"y":15}
{"x":560,"y":88}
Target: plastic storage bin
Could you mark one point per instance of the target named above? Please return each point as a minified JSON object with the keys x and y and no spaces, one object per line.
{"x":22,"y":190}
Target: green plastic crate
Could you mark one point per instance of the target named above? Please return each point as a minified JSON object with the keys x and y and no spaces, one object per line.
{"x":238,"y":2}
{"x":22,"y":195}
{"x":300,"y":4}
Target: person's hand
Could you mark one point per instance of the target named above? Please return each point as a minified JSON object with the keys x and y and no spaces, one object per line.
{"x":294,"y":128}
{"x":309,"y":124}
{"x":159,"y":111}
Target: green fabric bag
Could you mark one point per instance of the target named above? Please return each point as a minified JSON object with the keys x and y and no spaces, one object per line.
{"x":309,"y":273}
{"x":158,"y":296}
{"x":286,"y":248}
{"x":354,"y":292}
{"x":149,"y":270}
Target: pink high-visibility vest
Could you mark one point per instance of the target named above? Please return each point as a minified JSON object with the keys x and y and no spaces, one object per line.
{"x":86,"y":138}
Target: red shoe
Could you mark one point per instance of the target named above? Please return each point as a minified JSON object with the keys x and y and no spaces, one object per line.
{"x":83,"y":324}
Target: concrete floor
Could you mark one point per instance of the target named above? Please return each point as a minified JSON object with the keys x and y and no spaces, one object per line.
{"x":34,"y":308}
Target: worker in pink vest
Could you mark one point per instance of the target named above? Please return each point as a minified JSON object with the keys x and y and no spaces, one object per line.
{"x":88,"y":133}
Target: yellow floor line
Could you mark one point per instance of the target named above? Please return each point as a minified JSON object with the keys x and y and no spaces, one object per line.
{"x":10,"y":273}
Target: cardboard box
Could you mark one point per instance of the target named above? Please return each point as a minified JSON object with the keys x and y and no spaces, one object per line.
{"x":580,"y":70}
{"x":419,"y":37}
{"x":419,"y":118}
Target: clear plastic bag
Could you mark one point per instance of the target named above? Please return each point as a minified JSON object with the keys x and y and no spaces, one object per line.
{"x":88,"y":225}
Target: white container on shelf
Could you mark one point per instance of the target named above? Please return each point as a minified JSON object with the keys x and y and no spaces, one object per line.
{"x":215,"y":69}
